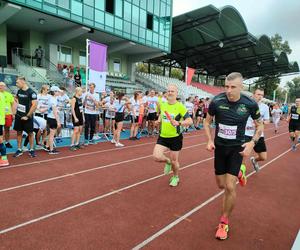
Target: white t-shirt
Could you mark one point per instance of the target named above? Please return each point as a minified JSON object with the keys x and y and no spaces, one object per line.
{"x":144,"y":99}
{"x":265,"y":116}
{"x":190,"y":107}
{"x":62,"y":101}
{"x":90,"y":100}
{"x":135,"y":105}
{"x":39,"y":123}
{"x":119,"y":106}
{"x":110,"y":110}
{"x":52,"y":103}
{"x":42,"y":102}
{"x":276,"y":114}
{"x":152,"y":104}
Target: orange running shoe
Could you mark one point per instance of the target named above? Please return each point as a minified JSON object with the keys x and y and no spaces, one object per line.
{"x":3,"y":163}
{"x":242,"y":176}
{"x":222,"y":231}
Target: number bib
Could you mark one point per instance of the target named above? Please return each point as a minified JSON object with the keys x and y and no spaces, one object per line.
{"x":295,"y":116}
{"x":21,"y":108}
{"x":227,"y":132}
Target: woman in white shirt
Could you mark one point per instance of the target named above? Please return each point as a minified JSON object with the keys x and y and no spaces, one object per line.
{"x":109,"y":116}
{"x":120,"y":104}
{"x":276,"y":115}
{"x":135,"y":103}
{"x":53,"y":121}
{"x":42,"y":102}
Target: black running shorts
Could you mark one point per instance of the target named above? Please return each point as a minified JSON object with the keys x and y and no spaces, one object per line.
{"x":22,"y":125}
{"x":260,"y":146}
{"x":294,"y":126}
{"x":173,"y":143}
{"x":228,"y":160}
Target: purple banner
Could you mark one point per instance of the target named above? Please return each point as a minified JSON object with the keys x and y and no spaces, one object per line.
{"x":97,"y":58}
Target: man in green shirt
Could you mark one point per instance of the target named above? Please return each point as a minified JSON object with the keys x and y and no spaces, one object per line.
{"x":9,"y":102}
{"x":3,"y":160}
{"x":173,"y":115}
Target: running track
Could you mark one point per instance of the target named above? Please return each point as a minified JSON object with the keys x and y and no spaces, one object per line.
{"x":106,"y":198}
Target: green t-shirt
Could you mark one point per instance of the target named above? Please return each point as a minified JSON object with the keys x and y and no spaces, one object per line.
{"x":9,"y":100}
{"x":177,"y":111}
{"x":2,"y":108}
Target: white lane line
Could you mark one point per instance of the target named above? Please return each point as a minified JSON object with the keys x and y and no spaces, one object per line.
{"x":196,"y":209}
{"x":85,"y":171}
{"x":296,"y":245}
{"x":97,"y":168}
{"x":83,"y":154}
{"x":6,"y":230}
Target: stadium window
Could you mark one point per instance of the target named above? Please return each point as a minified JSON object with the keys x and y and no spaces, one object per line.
{"x":149,"y":21}
{"x":82,"y":57}
{"x":117,"y":65}
{"x":65,"y":54}
{"x":110,"y":6}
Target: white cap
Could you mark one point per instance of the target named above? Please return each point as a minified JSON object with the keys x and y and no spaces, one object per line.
{"x":55,"y":89}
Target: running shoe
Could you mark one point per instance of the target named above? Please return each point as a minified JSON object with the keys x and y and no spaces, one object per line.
{"x":73,"y":148}
{"x":167,"y":168}
{"x":18,"y":153}
{"x":24,"y":149}
{"x":96,"y":137}
{"x":31,"y":153}
{"x":294,"y":148}
{"x":86,"y":143}
{"x":92,"y":142}
{"x":8,"y":145}
{"x":47,"y":149}
{"x":3,"y":163}
{"x":113,"y":141}
{"x":78,"y":146}
{"x":53,"y":152}
{"x":174,"y":181}
{"x":38,"y":146}
{"x":222,"y":231}
{"x":119,"y":145}
{"x":137,"y":138}
{"x":242,"y":176}
{"x":254,"y":164}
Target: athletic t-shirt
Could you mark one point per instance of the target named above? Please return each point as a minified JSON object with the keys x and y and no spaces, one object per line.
{"x":152,"y":104}
{"x":276,"y":113}
{"x":51,"y":103}
{"x":135,"y":105}
{"x":110,"y":110}
{"x":295,"y":114}
{"x":265,"y":116}
{"x":62,"y":101}
{"x":42,"y":103}
{"x":9,"y":100}
{"x":90,"y":105}
{"x":178,"y":112}
{"x":119,"y":106}
{"x":25,"y":97}
{"x":190,"y":107}
{"x":231,"y":118}
{"x":39,"y":123}
{"x":2,"y":108}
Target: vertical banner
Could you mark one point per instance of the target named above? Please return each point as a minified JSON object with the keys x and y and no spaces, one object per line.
{"x":97,"y":65}
{"x":189,"y":75}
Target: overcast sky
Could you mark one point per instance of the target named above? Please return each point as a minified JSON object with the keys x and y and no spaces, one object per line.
{"x":261,"y":17}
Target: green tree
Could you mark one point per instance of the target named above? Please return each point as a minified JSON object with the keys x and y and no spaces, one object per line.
{"x":278,"y":44}
{"x":294,"y":89}
{"x":269,"y":84}
{"x":176,"y":73}
{"x":155,"y":69}
{"x":142,"y":67}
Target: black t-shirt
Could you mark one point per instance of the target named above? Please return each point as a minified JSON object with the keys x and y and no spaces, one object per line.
{"x":295,"y":114}
{"x":231,"y":118}
{"x":25,"y":101}
{"x":77,"y":78}
{"x":78,"y":107}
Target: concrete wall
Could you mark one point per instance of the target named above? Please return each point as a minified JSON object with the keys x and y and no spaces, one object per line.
{"x":3,"y":39}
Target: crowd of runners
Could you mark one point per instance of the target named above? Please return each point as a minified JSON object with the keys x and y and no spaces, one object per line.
{"x":39,"y":118}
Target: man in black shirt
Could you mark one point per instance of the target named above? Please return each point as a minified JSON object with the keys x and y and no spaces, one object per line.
{"x":294,"y":123}
{"x":27,"y":102}
{"x":231,"y":111}
{"x":77,"y":79}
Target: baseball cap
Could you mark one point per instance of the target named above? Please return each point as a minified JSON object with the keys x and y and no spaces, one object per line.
{"x":55,"y":89}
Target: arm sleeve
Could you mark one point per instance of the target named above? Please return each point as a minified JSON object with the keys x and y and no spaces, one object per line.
{"x":212,"y":109}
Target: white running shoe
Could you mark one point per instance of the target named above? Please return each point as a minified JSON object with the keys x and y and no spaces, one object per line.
{"x":119,"y":145}
{"x":25,"y":149}
{"x":254,"y":164}
{"x":96,"y":137}
{"x":113,"y":141}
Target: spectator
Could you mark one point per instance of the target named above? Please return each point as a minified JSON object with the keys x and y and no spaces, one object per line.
{"x":77,"y":79}
{"x":39,"y":53}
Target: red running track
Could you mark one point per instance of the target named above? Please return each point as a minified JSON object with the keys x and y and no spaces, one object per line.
{"x":117,"y":199}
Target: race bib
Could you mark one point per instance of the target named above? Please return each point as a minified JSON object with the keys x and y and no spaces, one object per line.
{"x":21,"y":108}
{"x":199,"y":112}
{"x":295,"y":116}
{"x":227,"y":132}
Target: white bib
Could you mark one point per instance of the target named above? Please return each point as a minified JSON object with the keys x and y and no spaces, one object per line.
{"x":227,"y":132}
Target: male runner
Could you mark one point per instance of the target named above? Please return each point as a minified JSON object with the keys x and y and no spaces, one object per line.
{"x":294,"y":123}
{"x":260,"y":148}
{"x":3,"y":159}
{"x":170,"y":138}
{"x":231,"y":111}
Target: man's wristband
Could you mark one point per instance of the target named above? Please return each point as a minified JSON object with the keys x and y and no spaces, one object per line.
{"x":255,"y":141}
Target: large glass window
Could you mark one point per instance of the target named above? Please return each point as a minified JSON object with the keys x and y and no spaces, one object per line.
{"x":119,"y":8}
{"x":89,"y":2}
{"x":76,"y":8}
{"x":143,"y":4}
{"x":64,"y":4}
{"x":64,"y":54}
{"x":109,"y":20}
{"x":99,"y":4}
{"x":135,"y":30}
{"x":156,"y":7}
{"x":117,"y":65}
{"x":150,"y":6}
{"x":149,"y":21}
{"x":118,"y":23}
{"x":99,"y":16}
{"x":82,"y":57}
{"x":51,"y":1}
{"x":143,"y":18}
{"x":110,"y":6}
{"x":135,"y":14}
{"x":88,"y":12}
{"x":127,"y":11}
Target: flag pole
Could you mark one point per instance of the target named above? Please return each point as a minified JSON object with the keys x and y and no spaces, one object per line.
{"x":87,"y":64}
